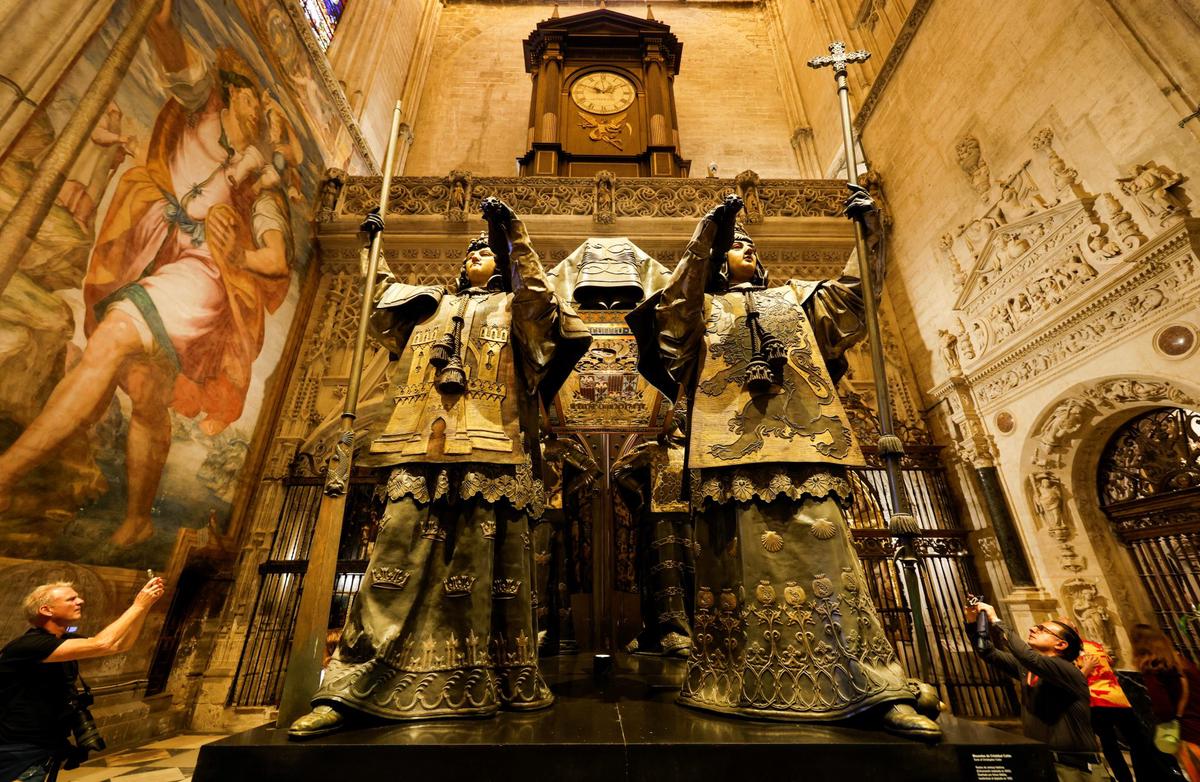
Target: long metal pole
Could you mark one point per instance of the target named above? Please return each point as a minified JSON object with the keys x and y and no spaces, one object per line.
{"x":312,"y":615}
{"x":902,"y":523}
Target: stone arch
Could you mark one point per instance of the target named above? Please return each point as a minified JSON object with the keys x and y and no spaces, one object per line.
{"x":1094,"y":579}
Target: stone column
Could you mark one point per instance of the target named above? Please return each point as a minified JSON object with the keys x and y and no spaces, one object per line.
{"x":977,"y":450}
{"x":806,"y":153}
{"x":657,"y":100}
{"x":549,"y":86}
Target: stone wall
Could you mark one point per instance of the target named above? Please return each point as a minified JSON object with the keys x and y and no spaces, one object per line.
{"x":380,"y":55}
{"x":475,"y":107}
{"x":1039,"y":183}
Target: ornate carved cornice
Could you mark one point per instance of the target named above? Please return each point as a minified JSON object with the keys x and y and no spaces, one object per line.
{"x":577,"y":196}
{"x":1160,"y":277}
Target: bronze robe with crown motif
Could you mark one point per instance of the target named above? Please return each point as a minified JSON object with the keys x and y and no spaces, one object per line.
{"x":784,"y":624}
{"x":442,"y":625}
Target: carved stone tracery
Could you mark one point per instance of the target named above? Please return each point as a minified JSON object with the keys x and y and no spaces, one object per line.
{"x":597,"y":196}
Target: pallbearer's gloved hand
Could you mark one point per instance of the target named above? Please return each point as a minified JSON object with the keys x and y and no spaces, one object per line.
{"x":497,"y":213}
{"x":725,"y":213}
{"x":372,"y":224}
{"x":859,"y":203}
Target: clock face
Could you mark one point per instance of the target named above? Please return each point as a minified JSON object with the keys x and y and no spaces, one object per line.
{"x":603,"y":92}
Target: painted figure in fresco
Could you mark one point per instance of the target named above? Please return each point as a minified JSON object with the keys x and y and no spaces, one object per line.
{"x":193,"y":253}
{"x":649,"y":479}
{"x":784,"y":624}
{"x":88,"y":180}
{"x":443,"y":623}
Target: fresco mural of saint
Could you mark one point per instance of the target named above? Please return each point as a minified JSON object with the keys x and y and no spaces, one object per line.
{"x":194,"y":242}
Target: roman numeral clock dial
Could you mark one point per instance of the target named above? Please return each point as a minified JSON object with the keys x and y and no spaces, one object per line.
{"x":603,"y":93}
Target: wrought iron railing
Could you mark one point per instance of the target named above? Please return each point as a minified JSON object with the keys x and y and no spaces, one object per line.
{"x":948,"y":576}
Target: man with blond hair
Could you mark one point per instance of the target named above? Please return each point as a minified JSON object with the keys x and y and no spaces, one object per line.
{"x":38,"y":671}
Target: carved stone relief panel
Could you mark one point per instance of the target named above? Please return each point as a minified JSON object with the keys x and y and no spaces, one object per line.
{"x":1025,"y":253}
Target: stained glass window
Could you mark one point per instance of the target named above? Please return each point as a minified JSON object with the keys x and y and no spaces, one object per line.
{"x":323,"y":15}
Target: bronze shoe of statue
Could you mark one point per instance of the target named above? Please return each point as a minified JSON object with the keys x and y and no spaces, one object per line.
{"x":903,"y":720}
{"x":929,"y":702}
{"x":676,"y":645}
{"x":321,"y":721}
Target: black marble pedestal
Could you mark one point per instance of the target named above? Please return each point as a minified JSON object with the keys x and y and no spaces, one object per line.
{"x":625,"y":728}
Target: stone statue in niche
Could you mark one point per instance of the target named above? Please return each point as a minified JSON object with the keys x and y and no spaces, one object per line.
{"x":970,"y":160}
{"x":605,"y":198}
{"x":747,"y":187}
{"x":1048,"y":500}
{"x":443,"y":623}
{"x":331,"y":188}
{"x":1156,"y":189}
{"x":460,"y":195}
{"x":949,"y":345}
{"x":781,"y":603}
{"x":1091,"y":611}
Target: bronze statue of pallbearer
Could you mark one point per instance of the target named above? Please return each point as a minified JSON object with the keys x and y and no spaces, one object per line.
{"x":784,"y":625}
{"x":442,"y":625}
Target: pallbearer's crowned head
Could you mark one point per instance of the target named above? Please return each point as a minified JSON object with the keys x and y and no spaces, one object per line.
{"x":479,"y":268}
{"x":740,"y":263}
{"x":239,"y":88}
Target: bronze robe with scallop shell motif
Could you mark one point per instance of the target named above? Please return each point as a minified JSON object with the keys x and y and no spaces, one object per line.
{"x":784,"y":625}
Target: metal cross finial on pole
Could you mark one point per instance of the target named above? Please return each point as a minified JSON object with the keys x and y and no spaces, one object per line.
{"x":312,"y":615}
{"x":902,"y":523}
{"x":838,"y":57}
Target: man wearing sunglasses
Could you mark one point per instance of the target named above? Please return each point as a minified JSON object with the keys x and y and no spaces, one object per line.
{"x":1056,"y":702}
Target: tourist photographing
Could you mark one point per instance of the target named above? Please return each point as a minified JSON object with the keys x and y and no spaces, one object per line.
{"x":1055,"y":700}
{"x":42,"y":698}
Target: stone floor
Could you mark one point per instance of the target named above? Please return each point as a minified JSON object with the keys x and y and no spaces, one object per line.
{"x":166,"y":760}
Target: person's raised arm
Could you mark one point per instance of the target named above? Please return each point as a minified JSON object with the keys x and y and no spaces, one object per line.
{"x":1000,"y":660}
{"x":679,"y":311}
{"x":166,"y":40}
{"x":117,"y":637}
{"x":1051,"y":668}
{"x":509,"y":240}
